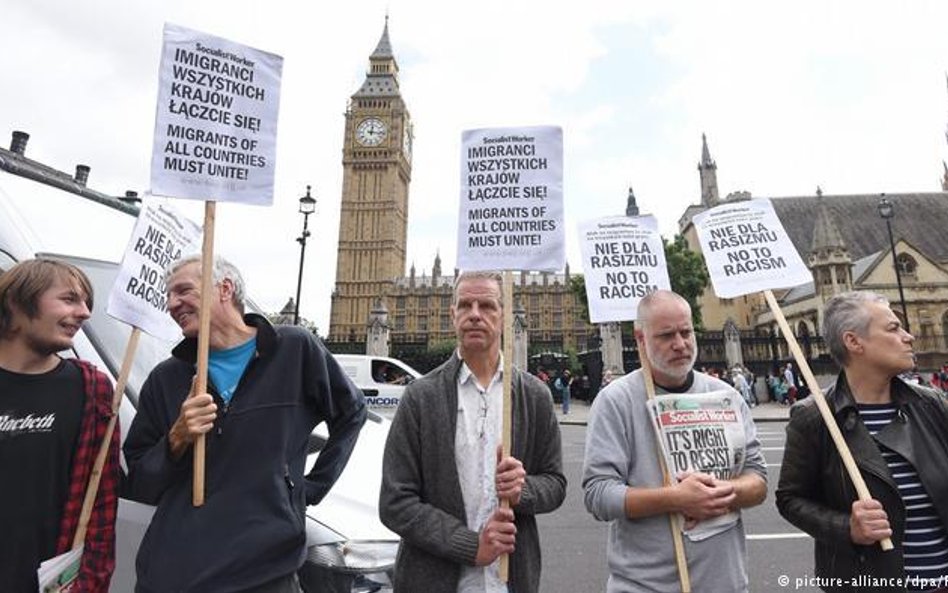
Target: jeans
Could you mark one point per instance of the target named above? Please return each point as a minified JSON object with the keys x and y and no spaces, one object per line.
{"x":565,"y":395}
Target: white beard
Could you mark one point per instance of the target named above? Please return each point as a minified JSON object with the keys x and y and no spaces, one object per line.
{"x":678,"y":371}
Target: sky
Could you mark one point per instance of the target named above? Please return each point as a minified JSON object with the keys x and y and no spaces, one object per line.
{"x":846,"y":95}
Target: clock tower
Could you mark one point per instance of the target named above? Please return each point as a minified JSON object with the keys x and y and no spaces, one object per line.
{"x":373,"y":223}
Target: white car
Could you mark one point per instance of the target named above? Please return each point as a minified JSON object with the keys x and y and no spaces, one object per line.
{"x":349,"y":548}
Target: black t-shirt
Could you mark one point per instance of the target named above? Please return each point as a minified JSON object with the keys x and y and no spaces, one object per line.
{"x":39,"y":427}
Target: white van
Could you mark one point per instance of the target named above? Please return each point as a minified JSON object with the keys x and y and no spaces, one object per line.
{"x":348,"y":547}
{"x":381,"y":379}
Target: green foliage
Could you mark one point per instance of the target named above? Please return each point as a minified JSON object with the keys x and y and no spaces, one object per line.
{"x":577,"y":285}
{"x":687,"y":273}
{"x":443,"y":349}
{"x":686,"y":270}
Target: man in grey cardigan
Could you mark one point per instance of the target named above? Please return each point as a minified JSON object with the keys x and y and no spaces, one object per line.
{"x":443,"y":473}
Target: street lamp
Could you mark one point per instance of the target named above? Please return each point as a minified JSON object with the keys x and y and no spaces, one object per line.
{"x":886,"y":211}
{"x":307,"y":207}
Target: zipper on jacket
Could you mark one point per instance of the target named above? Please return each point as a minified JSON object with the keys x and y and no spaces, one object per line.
{"x":225,"y":406}
{"x":286,"y":477}
{"x":220,"y":421}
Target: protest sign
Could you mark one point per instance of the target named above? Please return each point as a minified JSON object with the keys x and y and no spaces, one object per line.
{"x":511,"y":214}
{"x":139,"y":296}
{"x":702,"y":433}
{"x":747,"y":250}
{"x":623,"y":260}
{"x":216,"y":123}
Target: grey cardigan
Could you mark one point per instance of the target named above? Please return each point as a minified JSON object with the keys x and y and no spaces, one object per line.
{"x":421,"y":497}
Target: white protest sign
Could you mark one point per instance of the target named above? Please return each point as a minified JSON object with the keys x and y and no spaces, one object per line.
{"x":216,"y":123}
{"x":511,"y":215}
{"x":139,"y":296}
{"x":623,"y":260}
{"x":747,"y":250}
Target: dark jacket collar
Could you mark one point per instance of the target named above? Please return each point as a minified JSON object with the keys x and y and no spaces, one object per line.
{"x":186,"y":349}
{"x":842,"y":396}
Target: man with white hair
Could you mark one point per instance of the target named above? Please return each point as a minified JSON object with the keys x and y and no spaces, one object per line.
{"x":622,"y":476}
{"x":898,"y":436}
{"x":268,"y":388}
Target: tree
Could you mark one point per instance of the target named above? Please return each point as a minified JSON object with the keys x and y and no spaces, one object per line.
{"x":686,"y":272}
{"x":284,"y":319}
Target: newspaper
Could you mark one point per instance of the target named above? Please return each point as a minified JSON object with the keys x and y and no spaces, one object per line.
{"x":59,"y":573}
{"x":702,"y":432}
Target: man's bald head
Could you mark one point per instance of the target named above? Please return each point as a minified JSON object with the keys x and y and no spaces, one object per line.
{"x":654,"y":300}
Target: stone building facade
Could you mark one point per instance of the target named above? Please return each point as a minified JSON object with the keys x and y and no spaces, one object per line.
{"x":373,"y":223}
{"x":373,"y":230}
{"x":844,"y":241}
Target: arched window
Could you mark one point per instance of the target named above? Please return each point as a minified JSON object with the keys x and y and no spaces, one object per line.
{"x":803,"y":329}
{"x":906,"y":263}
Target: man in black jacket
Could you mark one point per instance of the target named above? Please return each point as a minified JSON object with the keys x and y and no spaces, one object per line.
{"x":269,"y":387}
{"x":898,"y":435}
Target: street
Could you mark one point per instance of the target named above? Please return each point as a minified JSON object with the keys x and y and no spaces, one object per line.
{"x":574,"y":544}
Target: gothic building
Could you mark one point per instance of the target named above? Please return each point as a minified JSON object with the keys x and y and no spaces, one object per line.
{"x":845,"y":243}
{"x":371,"y":284}
{"x":373,"y":223}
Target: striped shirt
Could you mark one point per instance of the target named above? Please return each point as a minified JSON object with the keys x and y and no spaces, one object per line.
{"x":925,"y":547}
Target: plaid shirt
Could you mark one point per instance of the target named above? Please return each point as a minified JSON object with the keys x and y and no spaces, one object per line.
{"x":98,"y":559}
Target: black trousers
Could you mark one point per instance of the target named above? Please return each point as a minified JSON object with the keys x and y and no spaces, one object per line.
{"x":287,"y":584}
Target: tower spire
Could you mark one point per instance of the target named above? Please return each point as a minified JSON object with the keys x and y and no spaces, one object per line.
{"x":382,"y":77}
{"x":384,"y":47}
{"x":707,"y":171}
{"x":829,"y":259}
{"x":705,"y":153}
{"x":631,"y":208}
{"x":826,"y":235}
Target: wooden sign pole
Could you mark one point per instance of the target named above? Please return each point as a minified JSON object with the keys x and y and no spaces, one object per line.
{"x":674,"y":519}
{"x":204,"y":342}
{"x":861,"y":490}
{"x":92,"y":489}
{"x":507,"y":429}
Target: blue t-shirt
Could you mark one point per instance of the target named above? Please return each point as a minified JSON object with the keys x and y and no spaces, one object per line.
{"x":226,"y":367}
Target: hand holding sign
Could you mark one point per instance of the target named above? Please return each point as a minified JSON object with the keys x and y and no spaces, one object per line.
{"x":215,"y":135}
{"x":748,"y":250}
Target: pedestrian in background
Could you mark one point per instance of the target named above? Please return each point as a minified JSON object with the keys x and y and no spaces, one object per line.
{"x":563,"y":384}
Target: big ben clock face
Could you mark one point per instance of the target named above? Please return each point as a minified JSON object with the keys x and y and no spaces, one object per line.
{"x":371,"y":132}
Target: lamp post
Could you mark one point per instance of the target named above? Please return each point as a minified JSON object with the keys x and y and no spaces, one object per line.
{"x":307,"y":207}
{"x":886,"y":211}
